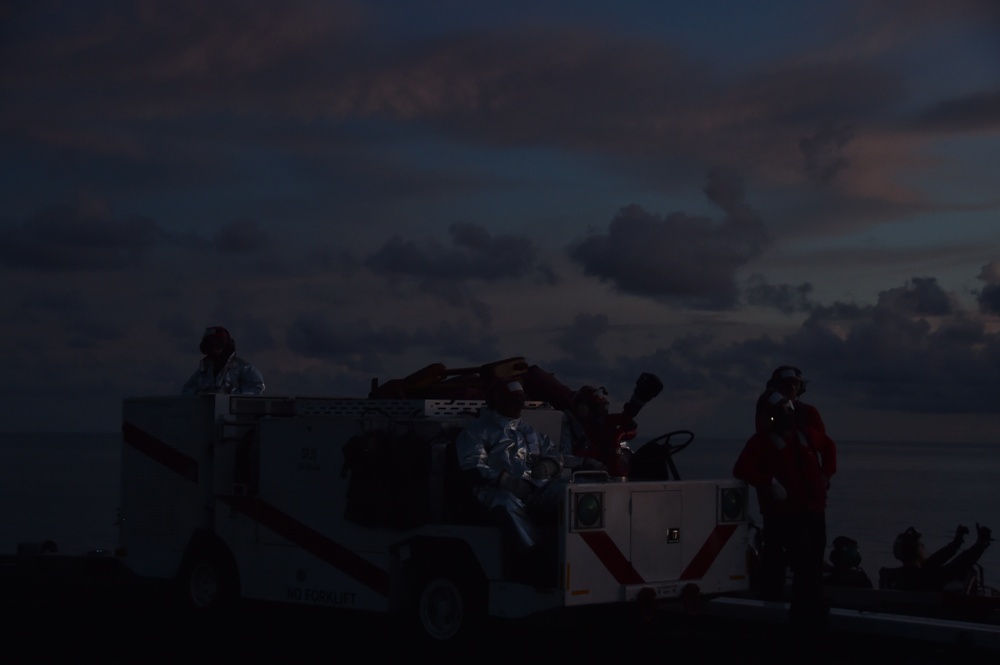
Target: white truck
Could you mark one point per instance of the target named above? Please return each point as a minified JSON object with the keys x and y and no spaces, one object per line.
{"x":350,"y":503}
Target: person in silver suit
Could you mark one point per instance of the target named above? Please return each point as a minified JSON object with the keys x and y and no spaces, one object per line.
{"x":221,"y":370}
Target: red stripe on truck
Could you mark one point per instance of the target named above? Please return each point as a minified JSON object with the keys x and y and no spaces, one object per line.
{"x":311,"y":541}
{"x":621,"y":568}
{"x":709,"y":552}
{"x":170,"y":457}
{"x":612,"y":558}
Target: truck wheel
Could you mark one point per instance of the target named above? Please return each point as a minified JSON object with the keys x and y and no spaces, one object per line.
{"x":444,"y":610}
{"x":207,"y":583}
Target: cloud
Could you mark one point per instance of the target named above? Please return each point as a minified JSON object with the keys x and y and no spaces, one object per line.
{"x":473,"y":254}
{"x":989,"y":297}
{"x":785,"y":298}
{"x":678,"y":259}
{"x":361,"y":347}
{"x":241,"y":236}
{"x":63,"y":238}
{"x":923,"y":296}
{"x":979,"y":112}
{"x":824,"y":152}
{"x":449,"y":270}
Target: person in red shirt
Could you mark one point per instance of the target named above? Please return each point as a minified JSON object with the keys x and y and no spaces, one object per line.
{"x":789,"y":462}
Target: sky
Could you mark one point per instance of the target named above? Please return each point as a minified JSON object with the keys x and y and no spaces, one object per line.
{"x":699,"y":190}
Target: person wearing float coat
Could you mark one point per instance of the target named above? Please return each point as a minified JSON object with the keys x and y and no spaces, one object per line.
{"x":790,"y":464}
{"x":221,"y":370}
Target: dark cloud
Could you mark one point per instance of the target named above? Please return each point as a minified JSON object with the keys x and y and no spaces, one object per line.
{"x":89,"y":332}
{"x":580,"y":340}
{"x":881,"y":356}
{"x":679,"y":259}
{"x":786,"y":298}
{"x":823,"y":152}
{"x":972,"y":113}
{"x":447,"y":271}
{"x":988,"y":298}
{"x":473,"y":254}
{"x":923,"y":296}
{"x":360,"y":346}
{"x":63,"y":238}
{"x":241,"y":236}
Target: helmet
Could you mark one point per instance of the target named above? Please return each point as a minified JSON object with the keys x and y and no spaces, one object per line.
{"x":213,"y":335}
{"x":787,"y":373}
{"x":907,"y":544}
{"x":505,"y":396}
{"x":845,"y":553}
{"x":590,"y":401}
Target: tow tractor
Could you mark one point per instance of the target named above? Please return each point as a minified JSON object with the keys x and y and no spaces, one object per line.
{"x":355,"y":503}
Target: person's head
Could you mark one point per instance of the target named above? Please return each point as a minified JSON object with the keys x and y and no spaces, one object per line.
{"x":908,"y":547}
{"x":845,"y":553}
{"x":216,"y":342}
{"x":590,"y":402}
{"x":788,"y":380}
{"x":506,"y":397}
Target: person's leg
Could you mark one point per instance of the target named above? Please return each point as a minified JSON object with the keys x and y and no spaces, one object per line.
{"x":773,"y":558}
{"x":807,"y":549}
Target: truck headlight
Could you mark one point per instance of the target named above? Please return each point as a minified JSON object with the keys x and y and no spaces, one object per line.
{"x":732,"y":504}
{"x":588,"y":510}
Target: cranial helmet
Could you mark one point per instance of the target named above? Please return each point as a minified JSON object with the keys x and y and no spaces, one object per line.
{"x":906,"y":545}
{"x":215,"y":334}
{"x":589,"y":400}
{"x":787,"y":373}
{"x":845,"y":552}
{"x":504,"y":390}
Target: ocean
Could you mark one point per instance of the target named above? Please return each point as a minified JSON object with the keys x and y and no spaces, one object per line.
{"x":64,"y":487}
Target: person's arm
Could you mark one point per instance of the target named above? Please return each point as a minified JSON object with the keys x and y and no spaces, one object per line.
{"x":828,"y":454}
{"x":471,"y":451}
{"x":193,"y":385}
{"x":251,"y":380}
{"x":940,"y":557}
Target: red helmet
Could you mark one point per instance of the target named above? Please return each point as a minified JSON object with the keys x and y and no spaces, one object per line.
{"x":214,"y":335}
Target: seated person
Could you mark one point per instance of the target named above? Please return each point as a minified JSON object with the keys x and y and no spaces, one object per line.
{"x":920,"y":572}
{"x":845,"y":569}
{"x":514,"y":469}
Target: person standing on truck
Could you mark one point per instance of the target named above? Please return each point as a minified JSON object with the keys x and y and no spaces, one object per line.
{"x":513,"y":468}
{"x":787,"y":383}
{"x":789,"y":464}
{"x":221,"y":370}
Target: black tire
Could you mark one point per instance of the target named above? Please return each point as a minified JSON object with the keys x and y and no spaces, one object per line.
{"x":447,"y":608}
{"x":207,"y":583}
{"x":442,"y":608}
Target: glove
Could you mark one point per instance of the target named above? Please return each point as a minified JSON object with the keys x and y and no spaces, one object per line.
{"x":647,"y":386}
{"x":983,"y":534}
{"x":960,"y":533}
{"x":546,"y":468}
{"x":593,"y":464}
{"x":778,"y":492}
{"x":519,"y":487}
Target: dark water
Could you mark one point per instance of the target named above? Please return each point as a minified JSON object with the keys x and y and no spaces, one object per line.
{"x":65,"y":487}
